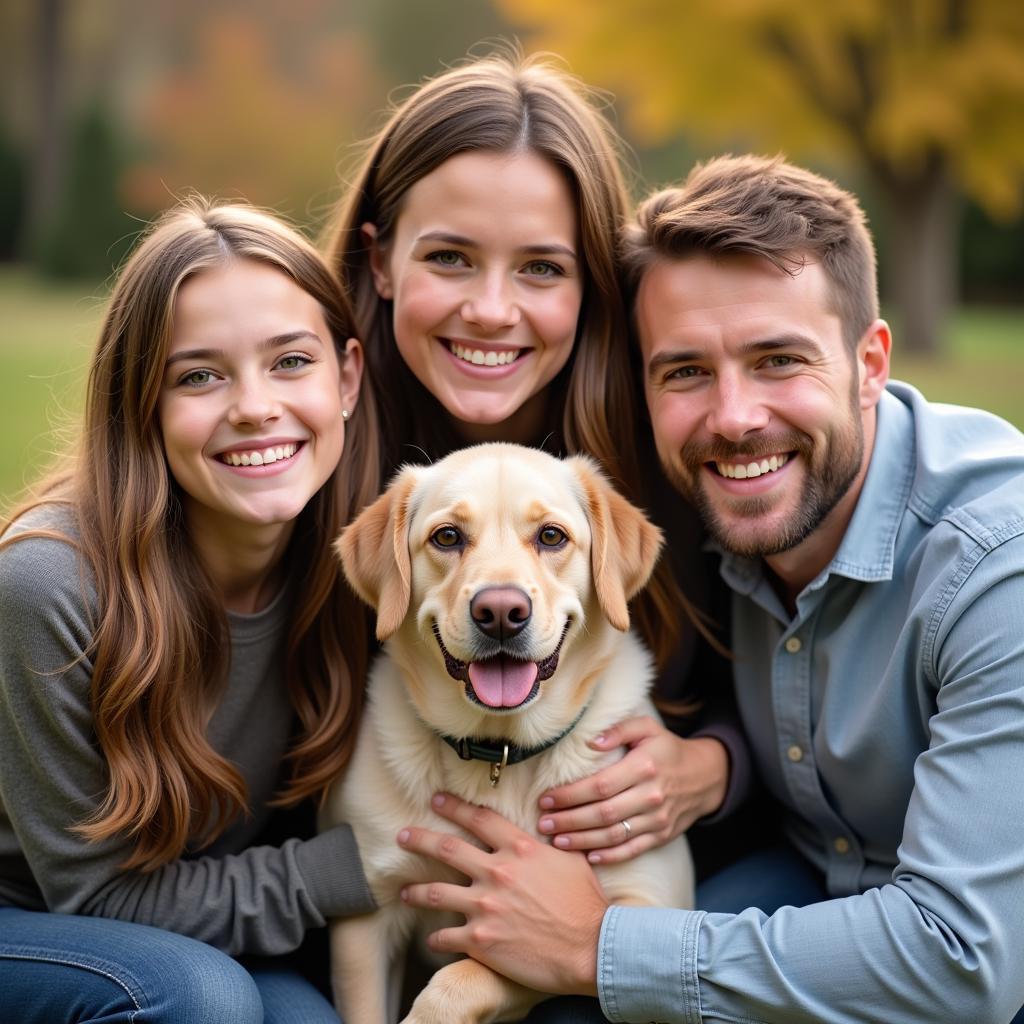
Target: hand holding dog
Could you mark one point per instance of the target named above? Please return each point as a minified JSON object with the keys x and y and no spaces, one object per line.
{"x":532,"y":912}
{"x":661,"y":787}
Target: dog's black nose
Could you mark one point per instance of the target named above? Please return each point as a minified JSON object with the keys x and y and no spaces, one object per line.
{"x":500,"y":612}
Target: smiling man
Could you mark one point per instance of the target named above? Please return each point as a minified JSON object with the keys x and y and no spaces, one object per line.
{"x":874,"y":544}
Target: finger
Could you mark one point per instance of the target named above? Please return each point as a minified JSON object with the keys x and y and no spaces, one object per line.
{"x":613,"y":835}
{"x":451,"y":940}
{"x":444,"y":847}
{"x":626,"y":851}
{"x":487,"y":825}
{"x":438,"y":896}
{"x":603,"y":785}
{"x":593,"y":816}
{"x":626,"y":733}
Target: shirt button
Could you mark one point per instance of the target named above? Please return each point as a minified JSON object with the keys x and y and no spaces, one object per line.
{"x":793,"y":644}
{"x":794,"y":753}
{"x":841,"y":845}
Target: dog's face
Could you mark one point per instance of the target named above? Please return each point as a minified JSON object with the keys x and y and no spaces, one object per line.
{"x":491,"y":564}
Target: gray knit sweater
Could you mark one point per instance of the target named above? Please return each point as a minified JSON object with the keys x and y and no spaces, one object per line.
{"x":236,"y":896}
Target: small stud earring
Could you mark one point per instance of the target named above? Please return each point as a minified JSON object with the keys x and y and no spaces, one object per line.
{"x":344,"y":414}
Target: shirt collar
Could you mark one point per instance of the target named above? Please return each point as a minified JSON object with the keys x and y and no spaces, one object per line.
{"x":868,"y":548}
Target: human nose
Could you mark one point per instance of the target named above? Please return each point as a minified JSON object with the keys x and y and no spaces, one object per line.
{"x":253,"y":403}
{"x":737,"y":408}
{"x":491,"y":304}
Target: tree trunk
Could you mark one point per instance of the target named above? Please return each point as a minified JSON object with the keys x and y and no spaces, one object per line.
{"x":45,"y":180}
{"x":921,"y":266}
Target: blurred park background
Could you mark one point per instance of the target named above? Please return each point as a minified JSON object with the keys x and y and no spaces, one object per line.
{"x":112,"y":108}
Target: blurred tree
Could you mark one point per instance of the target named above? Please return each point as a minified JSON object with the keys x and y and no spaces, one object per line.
{"x":415,"y":40}
{"x":12,"y":195}
{"x":243,"y":113}
{"x":87,"y":232}
{"x":927,"y":95}
{"x":50,"y":103}
{"x":55,"y":57}
{"x":992,"y":258}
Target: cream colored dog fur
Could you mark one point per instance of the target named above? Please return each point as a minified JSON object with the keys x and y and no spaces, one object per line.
{"x":501,"y":577}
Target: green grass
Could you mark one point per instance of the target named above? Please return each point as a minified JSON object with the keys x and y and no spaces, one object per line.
{"x":983,"y":365}
{"x":46,"y":336}
{"x":47,"y":332}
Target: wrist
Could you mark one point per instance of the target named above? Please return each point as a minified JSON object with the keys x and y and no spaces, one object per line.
{"x":583,"y":981}
{"x":714,"y":756}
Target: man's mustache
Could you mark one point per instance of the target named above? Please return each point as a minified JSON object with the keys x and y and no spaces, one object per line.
{"x":760,"y":447}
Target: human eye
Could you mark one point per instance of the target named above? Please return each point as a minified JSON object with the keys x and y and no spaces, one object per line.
{"x":293,"y":361}
{"x":196,"y":378}
{"x":684,"y":374}
{"x":543,"y":269}
{"x":449,"y":258}
{"x":779,"y":361}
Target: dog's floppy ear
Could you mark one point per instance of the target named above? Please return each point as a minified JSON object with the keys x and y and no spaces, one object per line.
{"x":624,"y":543}
{"x":374,"y":550}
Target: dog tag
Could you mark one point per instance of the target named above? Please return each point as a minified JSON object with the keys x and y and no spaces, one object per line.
{"x":497,"y":766}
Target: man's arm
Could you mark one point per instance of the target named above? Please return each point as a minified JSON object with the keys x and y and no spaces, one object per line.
{"x":941,"y":941}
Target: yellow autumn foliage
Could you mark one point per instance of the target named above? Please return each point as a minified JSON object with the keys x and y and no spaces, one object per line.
{"x":893,"y":83}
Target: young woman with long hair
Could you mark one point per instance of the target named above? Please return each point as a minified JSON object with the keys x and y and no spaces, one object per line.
{"x":478,"y":241}
{"x":179,"y":654}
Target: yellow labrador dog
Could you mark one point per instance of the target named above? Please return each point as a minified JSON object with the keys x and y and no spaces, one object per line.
{"x":501,"y":577}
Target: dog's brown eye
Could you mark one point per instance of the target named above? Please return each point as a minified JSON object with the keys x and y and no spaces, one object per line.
{"x":446,"y":537}
{"x":551,"y":537}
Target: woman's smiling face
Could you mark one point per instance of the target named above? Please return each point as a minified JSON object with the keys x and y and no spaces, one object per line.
{"x":486,"y":278}
{"x":252,"y":398}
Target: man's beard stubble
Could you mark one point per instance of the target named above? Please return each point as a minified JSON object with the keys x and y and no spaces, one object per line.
{"x":827,"y":479}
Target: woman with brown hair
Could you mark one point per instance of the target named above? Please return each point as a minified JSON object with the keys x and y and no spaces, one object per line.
{"x":478,"y":241}
{"x":179,"y":653}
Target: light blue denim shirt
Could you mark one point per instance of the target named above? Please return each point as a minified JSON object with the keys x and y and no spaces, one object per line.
{"x":887,"y":717}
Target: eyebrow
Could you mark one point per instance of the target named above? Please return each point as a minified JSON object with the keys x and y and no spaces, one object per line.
{"x":551,"y":249}
{"x":268,"y":344}
{"x":782,"y":341}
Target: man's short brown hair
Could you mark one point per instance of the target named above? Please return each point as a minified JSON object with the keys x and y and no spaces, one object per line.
{"x":763,"y":207}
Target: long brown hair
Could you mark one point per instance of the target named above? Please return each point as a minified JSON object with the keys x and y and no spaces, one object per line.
{"x":158,"y":648}
{"x":508,"y":103}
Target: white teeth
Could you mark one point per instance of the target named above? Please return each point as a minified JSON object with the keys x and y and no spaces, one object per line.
{"x":260,"y":458}
{"x":478,"y":357}
{"x":744,"y":471}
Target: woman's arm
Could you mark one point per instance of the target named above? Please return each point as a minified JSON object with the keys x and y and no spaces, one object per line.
{"x":53,"y":776}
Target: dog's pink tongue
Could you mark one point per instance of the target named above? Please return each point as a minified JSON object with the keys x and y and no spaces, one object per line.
{"x":502,"y":682}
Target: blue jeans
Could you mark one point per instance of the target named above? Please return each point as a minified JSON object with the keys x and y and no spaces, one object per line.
{"x":770,"y":878}
{"x":89,"y":970}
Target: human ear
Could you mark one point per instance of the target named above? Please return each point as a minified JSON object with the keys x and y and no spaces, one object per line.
{"x":351,"y":375}
{"x":378,"y":261}
{"x":873,"y":351}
